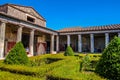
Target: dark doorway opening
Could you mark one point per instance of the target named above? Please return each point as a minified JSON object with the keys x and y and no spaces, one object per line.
{"x":25,"y":40}
{"x":48,"y":47}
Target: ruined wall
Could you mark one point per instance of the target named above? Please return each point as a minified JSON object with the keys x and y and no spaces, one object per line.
{"x":41,"y":45}
{"x":10,"y":35}
{"x":10,"y":39}
{"x":41,"y":39}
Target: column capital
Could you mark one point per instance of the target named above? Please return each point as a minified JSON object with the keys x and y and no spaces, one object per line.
{"x":3,"y":21}
{"x":79,"y":34}
{"x":106,"y":34}
{"x":91,"y":34}
{"x":21,"y":26}
{"x":33,"y":30}
{"x":52,"y":34}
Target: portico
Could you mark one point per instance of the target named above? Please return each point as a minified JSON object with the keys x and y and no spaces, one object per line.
{"x":90,"y":41}
{"x":18,"y":24}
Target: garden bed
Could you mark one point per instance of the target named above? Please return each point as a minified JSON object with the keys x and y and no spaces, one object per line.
{"x":54,"y":67}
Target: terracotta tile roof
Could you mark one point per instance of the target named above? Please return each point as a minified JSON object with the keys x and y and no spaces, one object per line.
{"x":94,"y":28}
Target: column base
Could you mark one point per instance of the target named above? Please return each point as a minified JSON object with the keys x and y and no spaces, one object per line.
{"x":53,"y":52}
{"x":2,"y":58}
{"x":29,"y":55}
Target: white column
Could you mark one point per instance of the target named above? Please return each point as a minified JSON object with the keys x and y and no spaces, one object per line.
{"x":31,"y":44}
{"x":52,"y":44}
{"x":92,"y":42}
{"x":118,"y":34}
{"x":19,"y":34}
{"x":2,"y":38}
{"x":68,"y":40}
{"x":57,"y":43}
{"x":80,"y":43}
{"x":106,"y":39}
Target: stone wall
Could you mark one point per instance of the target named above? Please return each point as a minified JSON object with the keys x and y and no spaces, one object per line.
{"x":3,"y":9}
{"x":22,"y":15}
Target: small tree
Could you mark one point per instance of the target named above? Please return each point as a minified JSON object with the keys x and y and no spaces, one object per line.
{"x":69,"y":52}
{"x":17,"y":55}
{"x":109,"y":63}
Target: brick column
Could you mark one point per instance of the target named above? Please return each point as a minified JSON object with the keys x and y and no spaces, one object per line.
{"x":57,"y":43}
{"x":31,"y":43}
{"x":79,"y":43}
{"x":19,"y":34}
{"x":92,"y":42}
{"x":2,"y":38}
{"x":52,"y":44}
{"x":68,"y":40}
{"x":106,"y":39}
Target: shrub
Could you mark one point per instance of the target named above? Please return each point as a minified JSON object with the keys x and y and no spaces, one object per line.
{"x":17,"y":55}
{"x":85,"y":64}
{"x":109,"y":63}
{"x":69,"y":51}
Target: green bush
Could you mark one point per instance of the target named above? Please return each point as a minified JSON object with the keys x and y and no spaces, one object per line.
{"x":69,"y":52}
{"x":12,"y":76}
{"x":17,"y":55}
{"x":85,"y":64}
{"x":109,"y":63}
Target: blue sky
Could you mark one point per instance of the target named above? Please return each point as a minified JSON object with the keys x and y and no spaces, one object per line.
{"x":71,"y":13}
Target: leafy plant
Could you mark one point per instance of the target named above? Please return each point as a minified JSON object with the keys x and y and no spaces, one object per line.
{"x":17,"y":55}
{"x":109,"y":63}
{"x":69,"y":52}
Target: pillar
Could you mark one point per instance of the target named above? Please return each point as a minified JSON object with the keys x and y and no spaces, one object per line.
{"x":31,"y":43}
{"x":68,"y":40}
{"x":106,"y":39}
{"x":79,"y":43}
{"x":57,"y":43}
{"x":52,"y":44}
{"x":2,"y":38}
{"x":118,"y":34}
{"x":19,"y":34}
{"x":92,"y":43}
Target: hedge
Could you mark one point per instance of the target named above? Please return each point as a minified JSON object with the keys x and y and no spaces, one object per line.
{"x":11,"y":76}
{"x":70,"y":71}
{"x":61,"y":68}
{"x":38,"y":71}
